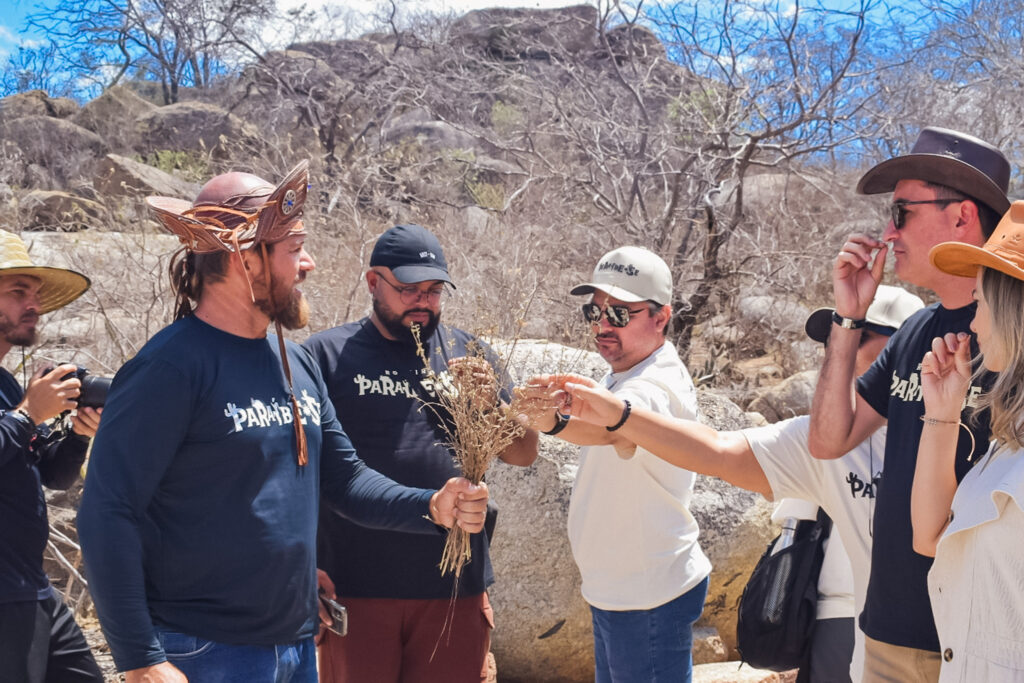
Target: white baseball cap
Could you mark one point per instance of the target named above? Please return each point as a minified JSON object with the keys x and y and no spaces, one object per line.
{"x":631,"y":274}
{"x":891,"y":307}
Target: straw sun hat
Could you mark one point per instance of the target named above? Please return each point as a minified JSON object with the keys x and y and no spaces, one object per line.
{"x":60,"y":286}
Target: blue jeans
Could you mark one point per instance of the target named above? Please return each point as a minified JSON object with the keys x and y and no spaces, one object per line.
{"x":206,"y":661}
{"x":648,"y":645}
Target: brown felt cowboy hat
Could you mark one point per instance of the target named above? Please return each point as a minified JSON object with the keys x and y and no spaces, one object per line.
{"x":1004,"y":250}
{"x":60,"y":286}
{"x":947,"y":157}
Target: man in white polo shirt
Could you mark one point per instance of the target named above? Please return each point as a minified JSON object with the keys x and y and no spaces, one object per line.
{"x":775,"y":461}
{"x":631,"y":531}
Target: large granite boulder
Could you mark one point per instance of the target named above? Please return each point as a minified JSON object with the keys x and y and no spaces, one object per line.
{"x":789,"y":398}
{"x":61,"y":211}
{"x":112,"y":116}
{"x":195,"y":127}
{"x":50,"y":150}
{"x":543,"y":630}
{"x":119,"y":176}
{"x":528,"y":33}
{"x":35,"y":103}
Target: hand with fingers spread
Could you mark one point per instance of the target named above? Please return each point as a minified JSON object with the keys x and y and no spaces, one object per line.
{"x":855,"y":276}
{"x":946,"y":376}
{"x":51,"y":392}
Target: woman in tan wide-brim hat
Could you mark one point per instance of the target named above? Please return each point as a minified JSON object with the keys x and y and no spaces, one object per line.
{"x":974,"y":530}
{"x":59,"y":287}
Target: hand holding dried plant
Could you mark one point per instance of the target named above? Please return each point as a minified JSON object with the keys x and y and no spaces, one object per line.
{"x":477,"y":372}
{"x":478,"y":428}
{"x":460,"y":502}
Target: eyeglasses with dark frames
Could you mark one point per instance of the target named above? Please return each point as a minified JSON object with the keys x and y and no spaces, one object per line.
{"x":898,"y":209}
{"x":618,"y":316}
{"x":411,"y":294}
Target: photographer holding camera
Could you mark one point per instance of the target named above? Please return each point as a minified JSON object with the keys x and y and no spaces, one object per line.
{"x":39,"y":639}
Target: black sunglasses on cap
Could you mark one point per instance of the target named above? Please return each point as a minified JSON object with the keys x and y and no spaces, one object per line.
{"x":898,"y":209}
{"x":618,"y":316}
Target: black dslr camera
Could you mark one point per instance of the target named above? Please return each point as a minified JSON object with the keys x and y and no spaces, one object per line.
{"x":94,"y":388}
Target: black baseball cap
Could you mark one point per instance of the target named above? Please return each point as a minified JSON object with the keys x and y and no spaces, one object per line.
{"x":412,"y":253}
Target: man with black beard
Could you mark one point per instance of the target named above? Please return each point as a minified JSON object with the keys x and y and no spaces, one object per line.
{"x":198,"y":522}
{"x":389,"y":581}
{"x":39,"y":639}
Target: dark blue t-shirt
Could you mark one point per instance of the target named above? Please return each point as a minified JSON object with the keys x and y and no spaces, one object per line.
{"x":378,"y":387}
{"x":196,"y":515}
{"x":24,"y":526}
{"x":897,"y":609}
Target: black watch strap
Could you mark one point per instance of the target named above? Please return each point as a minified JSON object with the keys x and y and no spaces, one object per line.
{"x":847,"y":323}
{"x":560,"y":422}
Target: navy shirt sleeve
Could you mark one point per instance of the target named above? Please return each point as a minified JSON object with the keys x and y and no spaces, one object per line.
{"x":143,"y":424}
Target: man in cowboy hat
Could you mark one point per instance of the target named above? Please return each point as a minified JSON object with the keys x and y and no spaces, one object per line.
{"x":389,"y":581}
{"x":198,"y":523}
{"x":39,"y":639}
{"x":950,"y":187}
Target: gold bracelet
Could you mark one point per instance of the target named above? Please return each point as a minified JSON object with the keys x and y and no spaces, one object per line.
{"x":933,"y":421}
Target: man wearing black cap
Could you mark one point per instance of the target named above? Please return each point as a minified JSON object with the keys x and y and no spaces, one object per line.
{"x":39,"y":639}
{"x":397,"y":599}
{"x":951,"y":187}
{"x":198,"y":522}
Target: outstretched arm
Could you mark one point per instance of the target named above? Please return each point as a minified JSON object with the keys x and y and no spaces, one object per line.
{"x":684,"y":443}
{"x":840,"y":418}
{"x":945,"y":377}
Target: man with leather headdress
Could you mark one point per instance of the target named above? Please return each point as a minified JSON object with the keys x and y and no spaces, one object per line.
{"x":198,"y":523}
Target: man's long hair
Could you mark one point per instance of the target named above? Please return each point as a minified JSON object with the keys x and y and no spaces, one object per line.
{"x":189,"y":273}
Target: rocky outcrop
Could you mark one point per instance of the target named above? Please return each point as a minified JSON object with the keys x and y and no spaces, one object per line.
{"x":789,"y":398}
{"x":195,"y":126}
{"x":543,"y":630}
{"x":112,"y":114}
{"x":49,"y":152}
{"x":119,"y":176}
{"x":56,"y":210}
{"x":36,"y":103}
{"x":527,"y":34}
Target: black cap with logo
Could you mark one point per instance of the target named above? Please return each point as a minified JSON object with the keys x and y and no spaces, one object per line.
{"x":412,"y":253}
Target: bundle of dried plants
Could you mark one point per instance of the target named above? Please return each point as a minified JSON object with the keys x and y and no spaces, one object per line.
{"x":478,"y":427}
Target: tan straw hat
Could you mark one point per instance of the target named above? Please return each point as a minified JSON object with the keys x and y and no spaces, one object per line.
{"x":60,"y":286}
{"x":1004,"y":250}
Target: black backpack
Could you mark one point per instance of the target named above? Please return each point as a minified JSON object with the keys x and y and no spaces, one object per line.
{"x":779,"y":604}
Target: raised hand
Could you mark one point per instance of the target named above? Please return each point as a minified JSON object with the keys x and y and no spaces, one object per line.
{"x":856,"y":274}
{"x":946,"y":375}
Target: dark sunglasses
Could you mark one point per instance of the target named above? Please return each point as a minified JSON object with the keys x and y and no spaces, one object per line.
{"x":618,"y":316}
{"x":898,"y":209}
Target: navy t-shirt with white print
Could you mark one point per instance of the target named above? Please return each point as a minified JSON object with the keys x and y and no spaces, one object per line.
{"x":898,"y":610}
{"x":379,"y":388}
{"x":197,"y":516}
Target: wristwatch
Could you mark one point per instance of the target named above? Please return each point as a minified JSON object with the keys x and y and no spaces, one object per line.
{"x":847,"y":323}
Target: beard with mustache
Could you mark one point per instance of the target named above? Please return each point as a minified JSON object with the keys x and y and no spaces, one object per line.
{"x":9,"y":331}
{"x":288,"y":305}
{"x":400,"y":330}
